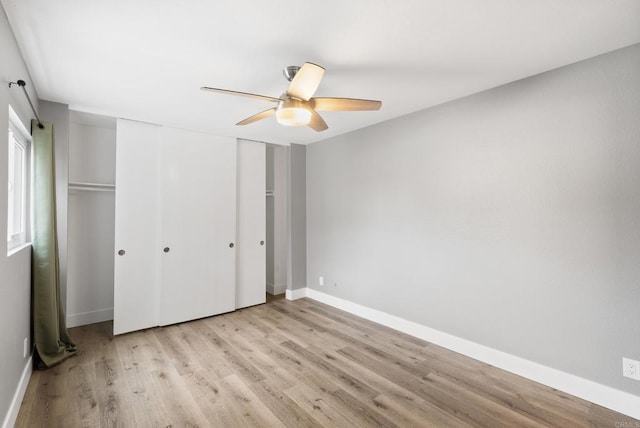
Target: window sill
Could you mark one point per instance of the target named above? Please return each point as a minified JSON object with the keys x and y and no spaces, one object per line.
{"x":18,"y":248}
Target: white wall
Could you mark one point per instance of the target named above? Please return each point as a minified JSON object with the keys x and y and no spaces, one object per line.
{"x":510,"y":218}
{"x":91,"y":228}
{"x":15,"y":271}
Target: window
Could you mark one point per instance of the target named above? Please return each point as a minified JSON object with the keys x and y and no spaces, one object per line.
{"x":18,"y":180}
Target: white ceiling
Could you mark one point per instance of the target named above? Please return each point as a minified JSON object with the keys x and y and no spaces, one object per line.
{"x":146,"y":60}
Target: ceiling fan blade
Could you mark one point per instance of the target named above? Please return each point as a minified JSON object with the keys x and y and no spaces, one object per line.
{"x":344,"y":104}
{"x":241,"y":94}
{"x":306,"y":81}
{"x":317,"y":123}
{"x":256,"y":117}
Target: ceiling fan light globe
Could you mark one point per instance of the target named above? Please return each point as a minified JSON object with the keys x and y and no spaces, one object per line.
{"x":293,"y":116}
{"x":292,"y":112}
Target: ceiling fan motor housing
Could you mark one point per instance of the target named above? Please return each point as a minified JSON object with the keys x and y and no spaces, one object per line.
{"x":290,"y":72}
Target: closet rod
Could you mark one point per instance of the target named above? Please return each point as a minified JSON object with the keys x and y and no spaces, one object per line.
{"x":91,"y":186}
{"x":22,"y":84}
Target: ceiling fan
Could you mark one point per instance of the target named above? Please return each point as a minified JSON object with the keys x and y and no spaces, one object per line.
{"x":296,"y":107}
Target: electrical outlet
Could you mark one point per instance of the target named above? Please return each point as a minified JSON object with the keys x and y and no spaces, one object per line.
{"x":25,"y":348}
{"x":631,"y":368}
{"x":321,"y":280}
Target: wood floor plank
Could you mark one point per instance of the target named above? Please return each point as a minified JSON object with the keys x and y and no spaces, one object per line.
{"x":539,"y":401}
{"x":293,"y":364}
{"x":97,"y":340}
{"x":319,"y":406}
{"x":366,"y":415}
{"x":250,"y":324}
{"x":174,"y":396}
{"x":278,"y":376}
{"x":177,"y":346}
{"x":287,"y":411}
{"x":396,"y":402}
{"x":424,"y":388}
{"x":424,"y":415}
{"x":112,"y":394}
{"x":285,"y":330}
{"x":81,"y":380}
{"x":348,"y":319}
{"x":210,"y":351}
{"x":141,"y":356}
{"x":364,"y":332}
{"x":500,"y":391}
{"x":302,"y":334}
{"x":331,"y":371}
{"x":244,"y":402}
{"x":501,"y":414}
{"x":242,"y":366}
{"x":46,"y":406}
{"x":29,"y":403}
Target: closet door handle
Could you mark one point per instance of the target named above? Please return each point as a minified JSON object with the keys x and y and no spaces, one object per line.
{"x":231,"y":245}
{"x":121,"y":253}
{"x":166,"y":249}
{"x":261,"y":242}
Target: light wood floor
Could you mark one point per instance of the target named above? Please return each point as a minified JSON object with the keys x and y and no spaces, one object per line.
{"x":294,"y":364}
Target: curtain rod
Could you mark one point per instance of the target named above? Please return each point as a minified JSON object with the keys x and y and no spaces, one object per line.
{"x":22,"y":84}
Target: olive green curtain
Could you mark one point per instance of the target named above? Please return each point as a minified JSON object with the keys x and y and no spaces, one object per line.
{"x":51,"y":337}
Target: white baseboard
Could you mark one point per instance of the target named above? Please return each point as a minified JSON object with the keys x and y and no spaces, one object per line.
{"x":602,"y":395}
{"x":296,"y":294}
{"x":275,"y":289}
{"x":85,"y":318}
{"x":14,"y":408}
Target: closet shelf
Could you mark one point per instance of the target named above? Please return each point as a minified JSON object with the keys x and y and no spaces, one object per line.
{"x":92,"y":187}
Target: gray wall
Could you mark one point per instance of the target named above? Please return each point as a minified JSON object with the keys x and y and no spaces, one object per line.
{"x":58,"y":114}
{"x":510,"y":218}
{"x":297,"y":267}
{"x":15,"y":271}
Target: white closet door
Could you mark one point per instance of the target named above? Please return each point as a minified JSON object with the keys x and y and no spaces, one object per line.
{"x":198,"y":225}
{"x":136,"y":266}
{"x":251,"y":255}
